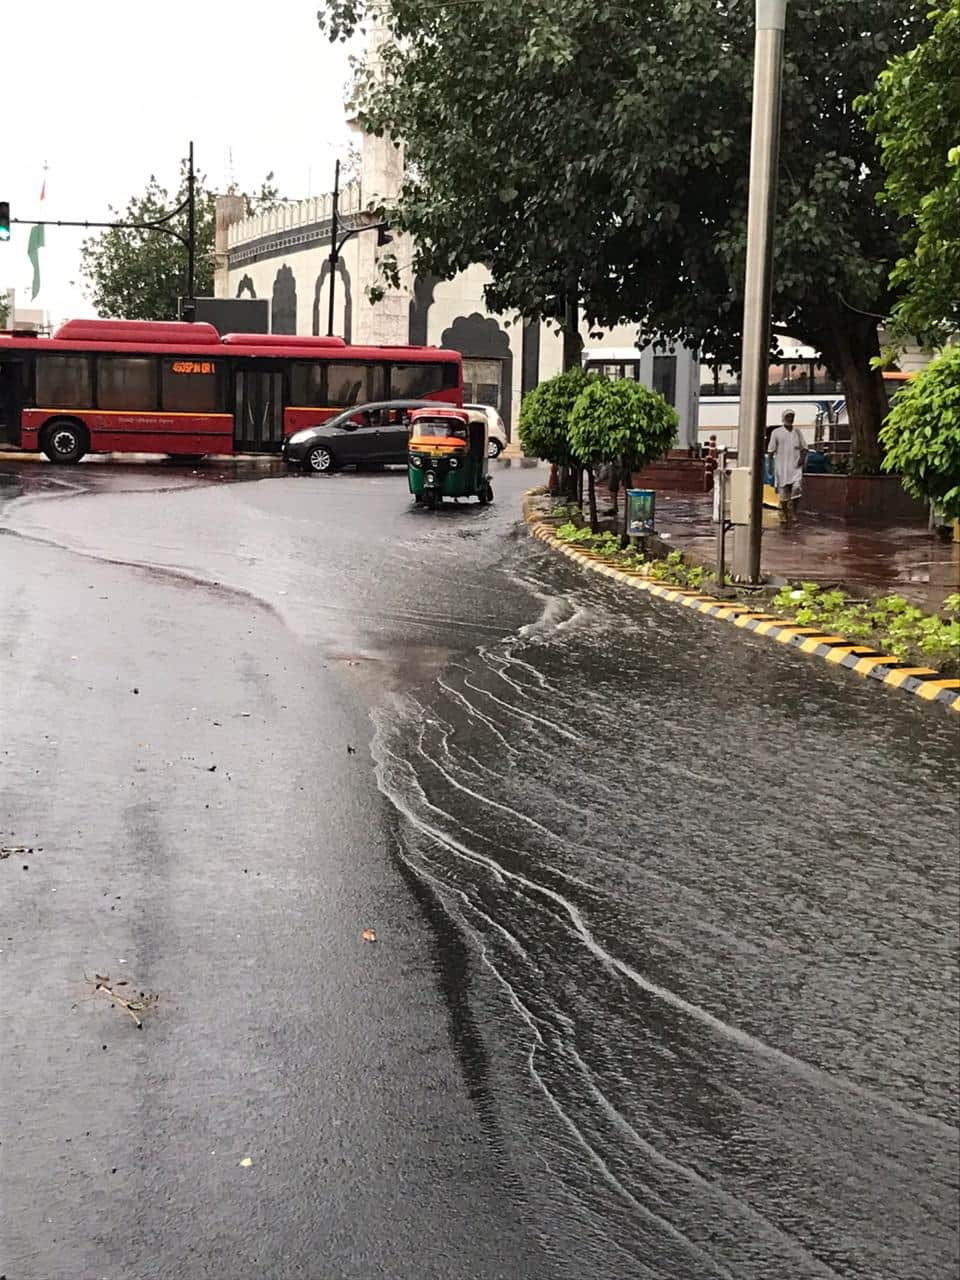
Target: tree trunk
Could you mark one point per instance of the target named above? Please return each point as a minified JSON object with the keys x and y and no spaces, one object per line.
{"x":626,"y":478}
{"x":592,"y":492}
{"x":580,"y":488}
{"x":572,"y":342}
{"x":851,"y":345}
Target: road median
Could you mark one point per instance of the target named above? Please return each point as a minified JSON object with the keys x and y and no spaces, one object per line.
{"x":898,"y":673}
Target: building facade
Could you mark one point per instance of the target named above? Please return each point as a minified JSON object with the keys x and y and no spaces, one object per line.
{"x":284,"y":256}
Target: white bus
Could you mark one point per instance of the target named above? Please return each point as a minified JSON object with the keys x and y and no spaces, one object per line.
{"x":798,"y":381}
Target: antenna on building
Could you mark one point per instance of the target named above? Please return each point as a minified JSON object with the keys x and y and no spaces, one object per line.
{"x":228,"y":168}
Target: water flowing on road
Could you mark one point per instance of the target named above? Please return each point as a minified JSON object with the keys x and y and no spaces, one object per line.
{"x":691,"y":897}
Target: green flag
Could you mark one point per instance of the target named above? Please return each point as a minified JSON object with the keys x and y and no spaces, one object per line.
{"x":34,"y":245}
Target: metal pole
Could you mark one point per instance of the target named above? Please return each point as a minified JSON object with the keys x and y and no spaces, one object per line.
{"x":758,"y":286}
{"x":334,"y":218}
{"x":191,"y":307}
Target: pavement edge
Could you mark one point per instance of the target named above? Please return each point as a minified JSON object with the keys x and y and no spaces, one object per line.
{"x":924,"y":682}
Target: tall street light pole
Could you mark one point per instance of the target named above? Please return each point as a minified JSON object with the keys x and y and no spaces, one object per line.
{"x":758,"y":287}
{"x":334,"y":247}
{"x":190,"y":306}
{"x":337,"y":242}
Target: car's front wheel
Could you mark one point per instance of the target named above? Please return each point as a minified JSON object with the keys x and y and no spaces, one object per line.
{"x":494,"y":449}
{"x":319,"y":460}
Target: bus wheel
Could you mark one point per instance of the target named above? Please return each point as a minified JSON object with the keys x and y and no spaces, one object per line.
{"x":65,"y":441}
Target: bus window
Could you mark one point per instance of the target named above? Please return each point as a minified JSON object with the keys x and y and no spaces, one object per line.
{"x":64,"y":382}
{"x":189,"y":384}
{"x":349,"y":384}
{"x":308,"y":384}
{"x":791,"y":378}
{"x":726,"y":382}
{"x":824,"y":384}
{"x":126,"y":382}
{"x":413,"y":381}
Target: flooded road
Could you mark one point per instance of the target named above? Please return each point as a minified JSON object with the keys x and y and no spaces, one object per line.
{"x":686,"y":903}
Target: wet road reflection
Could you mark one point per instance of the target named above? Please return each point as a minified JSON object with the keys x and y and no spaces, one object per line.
{"x":715,"y":977}
{"x":694,"y":899}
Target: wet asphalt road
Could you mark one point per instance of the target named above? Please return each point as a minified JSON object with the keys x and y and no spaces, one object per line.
{"x":666,"y":975}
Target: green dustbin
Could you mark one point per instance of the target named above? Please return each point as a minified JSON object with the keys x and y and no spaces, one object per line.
{"x":641,"y":511}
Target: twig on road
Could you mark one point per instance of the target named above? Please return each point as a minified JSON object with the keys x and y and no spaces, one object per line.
{"x":133,"y":1007}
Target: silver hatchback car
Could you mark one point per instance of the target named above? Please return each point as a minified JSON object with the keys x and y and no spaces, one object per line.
{"x":496,"y":431}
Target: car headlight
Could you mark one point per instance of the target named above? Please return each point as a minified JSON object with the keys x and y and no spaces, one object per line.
{"x":454,"y":463}
{"x":416,"y":462}
{"x":431,"y":477}
{"x":300,"y":437}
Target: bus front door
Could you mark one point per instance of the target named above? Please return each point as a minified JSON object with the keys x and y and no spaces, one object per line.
{"x":12,"y":378}
{"x":258,"y":423}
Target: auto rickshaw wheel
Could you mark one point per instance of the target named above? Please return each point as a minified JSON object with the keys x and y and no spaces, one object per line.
{"x":432,"y":499}
{"x":486,"y":494}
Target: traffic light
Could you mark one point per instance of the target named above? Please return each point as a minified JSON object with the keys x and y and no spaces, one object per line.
{"x":4,"y":220}
{"x":383,"y":235}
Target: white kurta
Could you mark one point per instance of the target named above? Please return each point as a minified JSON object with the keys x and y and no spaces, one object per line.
{"x":787,"y":449}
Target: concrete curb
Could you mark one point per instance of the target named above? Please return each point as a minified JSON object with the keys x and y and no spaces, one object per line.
{"x":924,"y":682}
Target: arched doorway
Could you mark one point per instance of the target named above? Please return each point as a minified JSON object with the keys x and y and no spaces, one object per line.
{"x":321,"y":303}
{"x":283,"y":313}
{"x":487,"y":361}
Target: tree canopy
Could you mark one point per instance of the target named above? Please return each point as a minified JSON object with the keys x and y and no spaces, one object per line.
{"x":915,"y":116}
{"x":545,"y":416}
{"x":140,"y":275}
{"x":622,"y":422}
{"x":922,"y":434}
{"x":599,"y":149}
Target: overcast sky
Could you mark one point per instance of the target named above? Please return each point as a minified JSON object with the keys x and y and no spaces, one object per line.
{"x":107,"y":92}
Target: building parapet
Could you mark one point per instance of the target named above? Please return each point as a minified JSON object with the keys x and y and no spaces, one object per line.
{"x":292,"y":216}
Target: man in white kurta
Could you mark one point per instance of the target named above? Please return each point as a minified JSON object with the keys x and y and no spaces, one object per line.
{"x":787,"y":449}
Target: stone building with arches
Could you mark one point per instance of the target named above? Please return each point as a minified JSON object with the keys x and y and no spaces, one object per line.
{"x":283,"y":255}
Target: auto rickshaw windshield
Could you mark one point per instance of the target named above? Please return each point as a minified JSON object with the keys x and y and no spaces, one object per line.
{"x":438,"y":429}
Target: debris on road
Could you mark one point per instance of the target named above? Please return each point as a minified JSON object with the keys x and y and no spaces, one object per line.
{"x":246,"y":1162}
{"x":369,"y":935}
{"x":8,"y":849}
{"x":140,"y":1004}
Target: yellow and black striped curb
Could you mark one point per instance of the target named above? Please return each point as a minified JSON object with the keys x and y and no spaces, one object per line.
{"x":896,"y":672}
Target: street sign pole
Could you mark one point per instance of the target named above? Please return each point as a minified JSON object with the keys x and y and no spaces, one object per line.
{"x":758,"y":286}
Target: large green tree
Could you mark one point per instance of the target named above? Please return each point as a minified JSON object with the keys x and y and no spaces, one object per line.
{"x":140,"y":275}
{"x":915,"y":115}
{"x":922,"y":434}
{"x":596,"y":149}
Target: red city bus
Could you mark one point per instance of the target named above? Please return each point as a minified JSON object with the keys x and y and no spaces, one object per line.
{"x":139,"y":386}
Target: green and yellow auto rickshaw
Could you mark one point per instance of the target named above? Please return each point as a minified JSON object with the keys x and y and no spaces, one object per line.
{"x":447,"y":456}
